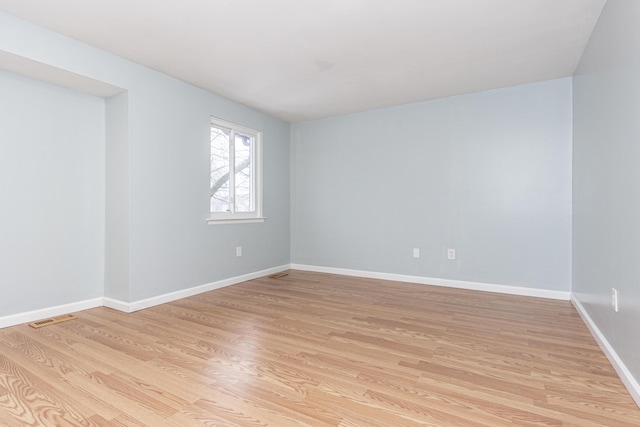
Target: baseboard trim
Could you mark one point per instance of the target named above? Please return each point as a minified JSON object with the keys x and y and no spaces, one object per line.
{"x":184,"y":293}
{"x":43,"y":313}
{"x":621,"y":369}
{"x":116,"y":304}
{"x":477,"y":286}
{"x":30,"y":316}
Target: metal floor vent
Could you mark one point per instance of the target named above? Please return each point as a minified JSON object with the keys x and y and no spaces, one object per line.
{"x":52,"y":321}
{"x":278,"y":275}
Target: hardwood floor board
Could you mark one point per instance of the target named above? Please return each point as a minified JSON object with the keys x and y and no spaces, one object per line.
{"x":212,"y":373}
{"x":505,"y":313}
{"x":534,"y":359}
{"x":34,"y":400}
{"x":483,"y":362}
{"x":300,"y":408}
{"x":32,"y":348}
{"x":190,"y":384}
{"x":352,"y":367}
{"x":126,"y":421}
{"x":137,"y":347}
{"x":99,"y":397}
{"x":100,"y":357}
{"x":164,"y":340}
{"x":585,"y":416}
{"x":238,"y":309}
{"x":444,"y":413}
{"x":420,"y":348}
{"x":402,"y":328}
{"x":582,"y":350}
{"x":114,"y":422}
{"x":239,"y":314}
{"x":568,"y":416}
{"x":488,"y":399}
{"x":582,"y":381}
{"x":367,"y":412}
{"x":524,"y":361}
{"x":105,"y":393}
{"x":234,"y":407}
{"x":479,"y":380}
{"x":331,"y":381}
{"x":272,"y":331}
{"x":283,"y":333}
{"x":596,"y":399}
{"x":289,"y":381}
{"x":577,"y":363}
{"x":476,"y":405}
{"x":90,"y":401}
{"x":88,"y":392}
{"x":151,"y":394}
{"x":204,"y":416}
{"x":485,"y":410}
{"x":103,"y":358}
{"x":519,"y":409}
{"x":164,"y":317}
{"x":292,"y":380}
{"x":159,"y":340}
{"x":371,"y":357}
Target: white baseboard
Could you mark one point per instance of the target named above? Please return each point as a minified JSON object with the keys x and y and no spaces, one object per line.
{"x":184,"y":293}
{"x":477,"y":286}
{"x":43,"y":313}
{"x":625,"y":375}
{"x":30,"y":316}
{"x":116,"y":304}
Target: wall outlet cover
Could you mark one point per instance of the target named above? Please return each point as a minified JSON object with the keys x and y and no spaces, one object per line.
{"x":451,"y":254}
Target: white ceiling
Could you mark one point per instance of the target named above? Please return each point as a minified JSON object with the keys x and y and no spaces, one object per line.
{"x":307,"y":59}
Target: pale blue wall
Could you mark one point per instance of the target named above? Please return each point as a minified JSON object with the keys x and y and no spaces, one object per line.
{"x":170,"y":246}
{"x":488,"y":174}
{"x":606,"y":194}
{"x":52,"y":195}
{"x":117,"y":200}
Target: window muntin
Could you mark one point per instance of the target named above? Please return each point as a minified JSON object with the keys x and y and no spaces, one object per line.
{"x":235,"y":172}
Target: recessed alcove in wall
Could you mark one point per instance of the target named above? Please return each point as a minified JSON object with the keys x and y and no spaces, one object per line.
{"x":65,"y":167}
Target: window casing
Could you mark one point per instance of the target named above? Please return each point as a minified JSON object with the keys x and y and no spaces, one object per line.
{"x":235,"y":185}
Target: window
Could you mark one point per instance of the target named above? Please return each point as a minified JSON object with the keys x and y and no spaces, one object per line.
{"x":235,"y":173}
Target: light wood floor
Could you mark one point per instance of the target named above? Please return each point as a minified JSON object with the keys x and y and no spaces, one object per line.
{"x":320,"y":350}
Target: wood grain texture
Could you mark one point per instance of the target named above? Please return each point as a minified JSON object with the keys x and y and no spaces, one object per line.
{"x":312,"y":349}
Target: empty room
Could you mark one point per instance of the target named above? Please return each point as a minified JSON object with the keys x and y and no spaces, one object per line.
{"x":330,"y":213}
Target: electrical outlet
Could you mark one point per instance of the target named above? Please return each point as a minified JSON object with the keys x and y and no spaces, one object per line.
{"x":416,"y":252}
{"x":614,"y":299}
{"x":238,"y":250}
{"x":451,"y":254}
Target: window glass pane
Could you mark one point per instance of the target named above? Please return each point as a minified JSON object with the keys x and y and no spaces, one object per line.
{"x":220,"y":197}
{"x":244,"y":173}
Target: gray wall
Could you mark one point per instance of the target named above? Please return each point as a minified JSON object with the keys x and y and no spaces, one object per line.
{"x":606,"y":194}
{"x":488,"y":174}
{"x":118,"y":206}
{"x":157,"y":177}
{"x":52,"y":186}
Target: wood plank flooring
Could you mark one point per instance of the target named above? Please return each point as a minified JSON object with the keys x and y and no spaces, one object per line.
{"x":312,"y":349}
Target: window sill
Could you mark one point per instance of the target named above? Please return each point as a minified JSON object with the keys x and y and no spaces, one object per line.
{"x":212,"y":221}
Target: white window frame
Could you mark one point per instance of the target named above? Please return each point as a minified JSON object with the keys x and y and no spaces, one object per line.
{"x":256,"y":164}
